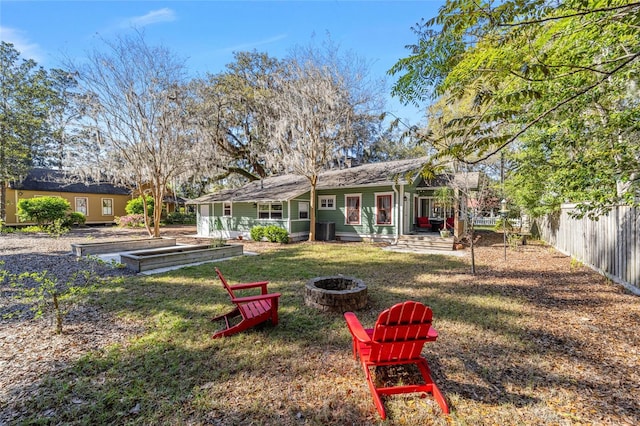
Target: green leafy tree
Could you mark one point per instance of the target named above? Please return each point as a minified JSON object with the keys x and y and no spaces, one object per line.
{"x":136,"y":205}
{"x":26,"y":98}
{"x":44,"y":211}
{"x":556,"y":82}
{"x":64,"y":119}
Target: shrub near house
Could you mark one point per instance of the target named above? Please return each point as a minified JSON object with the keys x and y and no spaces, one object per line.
{"x":271,"y":233}
{"x":44,"y":211}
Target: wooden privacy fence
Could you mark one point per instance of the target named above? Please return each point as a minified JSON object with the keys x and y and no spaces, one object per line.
{"x":610,"y":245}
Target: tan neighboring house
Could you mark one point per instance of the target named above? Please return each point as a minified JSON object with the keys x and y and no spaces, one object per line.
{"x":99,"y":202}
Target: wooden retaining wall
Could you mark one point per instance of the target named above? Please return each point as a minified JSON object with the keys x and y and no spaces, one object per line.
{"x":102,"y":247}
{"x":140,"y":261}
{"x":610,"y":245}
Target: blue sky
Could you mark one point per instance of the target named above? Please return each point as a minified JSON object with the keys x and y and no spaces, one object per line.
{"x":207,"y":33}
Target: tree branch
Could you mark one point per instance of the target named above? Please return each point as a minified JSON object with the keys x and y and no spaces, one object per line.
{"x":571,"y":15}
{"x":549,"y":111}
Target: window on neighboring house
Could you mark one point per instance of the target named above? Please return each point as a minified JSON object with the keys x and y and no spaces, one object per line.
{"x":352,"y":203}
{"x":383,"y":209}
{"x":327,"y":202}
{"x":82,"y":205}
{"x":107,"y":207}
{"x":226,"y":208}
{"x":270,"y":211}
{"x":303,"y":210}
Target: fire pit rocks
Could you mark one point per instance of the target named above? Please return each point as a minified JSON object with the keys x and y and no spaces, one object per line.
{"x":335,"y":293}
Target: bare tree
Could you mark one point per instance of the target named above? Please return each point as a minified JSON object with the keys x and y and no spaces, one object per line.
{"x":321,"y":101}
{"x":140,"y":131}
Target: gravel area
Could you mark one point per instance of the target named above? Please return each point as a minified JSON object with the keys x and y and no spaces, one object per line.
{"x":29,"y":348}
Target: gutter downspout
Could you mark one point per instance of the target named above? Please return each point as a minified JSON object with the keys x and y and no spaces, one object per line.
{"x":289,"y":216}
{"x":399,"y":210}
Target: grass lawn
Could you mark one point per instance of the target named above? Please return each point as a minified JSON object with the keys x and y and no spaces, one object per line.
{"x":537,"y":340}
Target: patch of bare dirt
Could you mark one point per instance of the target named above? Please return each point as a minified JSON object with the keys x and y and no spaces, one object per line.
{"x":581,"y":342}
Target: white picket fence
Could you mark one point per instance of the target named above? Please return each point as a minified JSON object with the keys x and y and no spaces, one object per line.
{"x":610,"y":245}
{"x":491,"y":221}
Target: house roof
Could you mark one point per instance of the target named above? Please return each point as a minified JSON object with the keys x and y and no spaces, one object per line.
{"x":386,"y":173}
{"x":277,"y":188}
{"x":470,"y":180}
{"x":48,"y":180}
{"x":287,"y":187}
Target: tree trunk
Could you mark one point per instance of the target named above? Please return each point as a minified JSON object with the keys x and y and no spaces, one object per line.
{"x":312,"y":208}
{"x":58,"y":313}
{"x":3,"y":202}
{"x":158,"y":195}
{"x":473,"y":253}
{"x":145,"y":211}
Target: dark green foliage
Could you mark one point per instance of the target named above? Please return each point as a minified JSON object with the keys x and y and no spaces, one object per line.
{"x":180,"y":218}
{"x":26,"y":101}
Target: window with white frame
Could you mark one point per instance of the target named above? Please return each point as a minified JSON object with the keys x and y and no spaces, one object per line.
{"x":107,"y":207}
{"x":352,"y":204}
{"x":383,"y":209}
{"x":326,"y":202}
{"x":82,"y":205}
{"x":303,"y":210}
{"x":226,"y":208}
{"x":270,"y":211}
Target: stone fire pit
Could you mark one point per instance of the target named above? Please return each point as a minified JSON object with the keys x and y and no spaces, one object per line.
{"x":335,"y":293}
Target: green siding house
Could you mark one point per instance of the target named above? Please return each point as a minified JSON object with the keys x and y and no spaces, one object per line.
{"x":374,"y":202}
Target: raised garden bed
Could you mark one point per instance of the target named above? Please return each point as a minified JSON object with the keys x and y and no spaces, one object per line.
{"x":85,"y":249}
{"x":179,"y":255}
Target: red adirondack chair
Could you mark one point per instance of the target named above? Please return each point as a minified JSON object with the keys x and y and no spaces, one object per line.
{"x":423,"y":222}
{"x":253,"y":310}
{"x":397,"y":338}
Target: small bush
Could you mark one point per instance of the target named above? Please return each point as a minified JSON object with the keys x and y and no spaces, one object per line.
{"x":4,"y":229}
{"x":130,"y":221}
{"x":276,"y":234}
{"x":181,"y":218}
{"x":135,"y":206}
{"x":43,"y":211}
{"x":74,"y":219}
{"x":257,"y":233}
{"x":501,"y":225}
{"x":32,"y":229}
{"x":57,"y":228}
